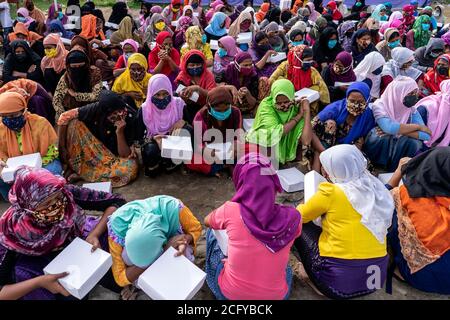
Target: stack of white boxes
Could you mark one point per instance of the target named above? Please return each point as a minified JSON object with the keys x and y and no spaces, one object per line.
{"x":33,"y":160}
{"x":176,"y":148}
{"x":291,"y":179}
{"x":99,"y":186}
{"x":310,"y":94}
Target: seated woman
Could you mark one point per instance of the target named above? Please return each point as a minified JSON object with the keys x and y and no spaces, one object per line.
{"x":340,"y":71}
{"x":179,"y":38}
{"x":252,"y":226}
{"x":260,"y":51}
{"x":53,"y":65}
{"x":156,"y":25}
{"x":282,"y":123}
{"x":96,"y":145}
{"x":426,"y":56}
{"x":196,"y":40}
{"x":164,"y":58}
{"x":23,"y":15}
{"x":126,"y":31}
{"x":216,"y":27}
{"x":274,"y":15}
{"x":326,"y":48}
{"x":46,"y":214}
{"x":80,"y":85}
{"x":434,"y":77}
{"x":188,"y":12}
{"x":55,"y":12}
{"x":224,"y":56}
{"x":36,"y":14}
{"x":434,"y":112}
{"x":419,"y":236}
{"x":161,"y":114}
{"x":57,"y":27}
{"x":276,"y":38}
{"x":172,"y":12}
{"x":195,"y":76}
{"x":91,"y":29}
{"x":22,"y":63}
{"x":332,"y":10}
{"x":33,"y":39}
{"x":133,"y":82}
{"x":317,"y":29}
{"x":140,"y":231}
{"x":362,"y":45}
{"x":244,"y":23}
{"x":346,"y":121}
{"x":346,"y":31}
{"x":401,"y":130}
{"x":391,"y":40}
{"x":356,"y":211}
{"x":129,"y":47}
{"x":299,"y":70}
{"x":369,"y":71}
{"x":219,"y":114}
{"x":297,"y":35}
{"x":420,"y":33}
{"x":38,"y":100}
{"x":24,"y":133}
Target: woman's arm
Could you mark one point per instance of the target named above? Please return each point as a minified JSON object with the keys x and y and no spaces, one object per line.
{"x":122,"y":146}
{"x":190,"y":225}
{"x":262,"y":63}
{"x":89,"y":96}
{"x":58,"y":97}
{"x":118,"y":72}
{"x":279,"y":73}
{"x":306,"y":136}
{"x":392,"y":127}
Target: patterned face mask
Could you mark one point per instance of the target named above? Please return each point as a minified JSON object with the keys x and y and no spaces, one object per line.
{"x":355,"y":109}
{"x":53,"y":213}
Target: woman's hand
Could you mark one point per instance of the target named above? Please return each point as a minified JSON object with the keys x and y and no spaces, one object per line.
{"x":180,"y":243}
{"x":158,"y":139}
{"x":32,"y":68}
{"x":177,"y":126}
{"x":134,"y":95}
{"x":425,"y":129}
{"x":2,"y":165}
{"x":50,"y":282}
{"x":71,"y":92}
{"x":94,"y":241}
{"x":188,"y":91}
{"x":65,"y":117}
{"x":120,"y":125}
{"x":379,"y":132}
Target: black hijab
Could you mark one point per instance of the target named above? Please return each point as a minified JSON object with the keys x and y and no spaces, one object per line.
{"x":119,"y":11}
{"x":79,"y":79}
{"x":428,"y":174}
{"x":321,"y":51}
{"x":274,"y":15}
{"x":359,"y":56}
{"x":31,"y":56}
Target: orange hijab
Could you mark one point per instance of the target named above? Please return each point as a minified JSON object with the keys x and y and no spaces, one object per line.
{"x":22,"y":29}
{"x":89,"y":27}
{"x":27,"y":88}
{"x":260,"y":15}
{"x":58,"y":63}
{"x":37,"y":134}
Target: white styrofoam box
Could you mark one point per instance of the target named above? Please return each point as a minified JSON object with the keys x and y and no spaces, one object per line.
{"x":70,"y":26}
{"x":385,"y":177}
{"x":99,"y":186}
{"x":312,"y":181}
{"x":176,"y":148}
{"x":247,"y":124}
{"x":245,"y":37}
{"x":66,"y":41}
{"x":194,"y":97}
{"x":85,"y":268}
{"x":224,"y":151}
{"x":171,"y":278}
{"x":222,"y":240}
{"x":336,"y":22}
{"x":291,"y":179}
{"x":105,"y":85}
{"x":280,"y":56}
{"x":343,"y":84}
{"x":196,"y":14}
{"x":311,"y":22}
{"x":285,"y":5}
{"x":310,"y":94}
{"x":174,"y":23}
{"x":152,"y":45}
{"x":106,"y":42}
{"x":111,"y":25}
{"x":33,"y":160}
{"x":214,"y":44}
{"x":440,"y":24}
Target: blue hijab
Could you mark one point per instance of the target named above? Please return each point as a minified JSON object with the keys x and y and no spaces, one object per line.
{"x":337,"y":111}
{"x":56,"y":26}
{"x":215,"y":25}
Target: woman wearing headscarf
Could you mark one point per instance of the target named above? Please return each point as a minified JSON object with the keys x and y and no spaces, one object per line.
{"x":339,"y":71}
{"x":277,"y":38}
{"x":312,"y":9}
{"x":380,"y":13}
{"x":195,"y":77}
{"x":23,"y":16}
{"x":273,"y":15}
{"x":419,"y":234}
{"x":133,"y":82}
{"x":356,"y":10}
{"x":317,"y":29}
{"x":260,"y":51}
{"x":55,"y":13}
{"x":188,"y":11}
{"x":53,"y":64}
{"x":400,"y":65}
{"x":96,"y":145}
{"x":216,"y":27}
{"x":282,"y":123}
{"x":179,"y":38}
{"x":401,"y":130}
{"x":262,"y":12}
{"x":297,"y":35}
{"x":164,"y":58}
{"x":244,"y":23}
{"x":118,"y":13}
{"x":426,"y":56}
{"x":420,"y":33}
{"x":224,"y":56}
{"x":345,"y":31}
{"x":392,"y":39}
{"x":91,"y":28}
{"x":299,"y":70}
{"x":125,"y":32}
{"x":332,"y":10}
{"x":327,"y":48}
{"x":144,"y":15}
{"x":173,"y":12}
{"x":57,"y":27}
{"x":20,"y":32}
{"x":408,"y":16}
{"x":156,"y":25}
{"x":129,"y":47}
{"x":22,"y":63}
{"x":80,"y":85}
{"x":362,"y":45}
{"x":45,"y":215}
{"x":198,"y":11}
{"x":140,"y":231}
{"x":36,"y":14}
{"x":252,"y":226}
{"x":302,"y":15}
{"x":369,"y":71}
{"x":355,"y":211}
{"x":437,"y":75}
{"x":196,"y":40}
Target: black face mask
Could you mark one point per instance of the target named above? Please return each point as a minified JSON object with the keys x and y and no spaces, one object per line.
{"x":377,"y":71}
{"x":306,"y":65}
{"x":410,"y":101}
{"x":21,"y":57}
{"x":443,"y":71}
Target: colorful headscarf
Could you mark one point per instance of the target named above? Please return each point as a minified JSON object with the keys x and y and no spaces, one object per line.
{"x":57,"y":63}
{"x":206,"y":78}
{"x":421,"y":37}
{"x":400,"y":56}
{"x":133,"y":44}
{"x":347,"y":61}
{"x":432,"y":78}
{"x":300,"y":78}
{"x":376,"y":13}
{"x":194,"y":38}
{"x":232,"y":74}
{"x":153,"y":56}
{"x":215,"y":25}
{"x":235,"y":27}
{"x":365,"y":69}
{"x":125,"y":31}
{"x":89,"y":27}
{"x":26,"y":14}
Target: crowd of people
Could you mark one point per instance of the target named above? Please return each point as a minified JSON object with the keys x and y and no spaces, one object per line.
{"x":96,"y":98}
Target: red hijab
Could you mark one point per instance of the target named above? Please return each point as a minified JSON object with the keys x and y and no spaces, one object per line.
{"x":153,"y":58}
{"x":432,"y":78}
{"x":300,"y":78}
{"x":336,"y":14}
{"x":206,"y":79}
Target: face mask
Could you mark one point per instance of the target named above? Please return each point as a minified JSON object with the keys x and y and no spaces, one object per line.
{"x":51,"y":53}
{"x":16,"y":123}
{"x":222,"y":52}
{"x":355,"y":109}
{"x":377,"y":71}
{"x":394,"y":44}
{"x":358,"y":4}
{"x":410,"y":101}
{"x":137,"y":76}
{"x":443,"y":71}
{"x":297,"y":43}
{"x":435,"y":54}
{"x":21,"y":56}
{"x":332,"y":44}
{"x":195,"y":5}
{"x":195,"y":72}
{"x":245,"y":26}
{"x":384,"y":18}
{"x":22,"y":19}
{"x":243,"y":46}
{"x":278,"y":48}
{"x":53,"y":213}
{"x":175,"y":9}
{"x":245,"y":71}
{"x":161,"y":104}
{"x":221,"y":116}
{"x":204,"y":38}
{"x":60,"y":15}
{"x":307,"y":65}
{"x":160,"y":26}
{"x":425,"y":26}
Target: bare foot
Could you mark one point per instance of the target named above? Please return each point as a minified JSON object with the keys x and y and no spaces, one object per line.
{"x":304,"y":276}
{"x":129,"y":293}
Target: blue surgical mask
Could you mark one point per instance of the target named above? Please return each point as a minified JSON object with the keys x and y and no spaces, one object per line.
{"x":332,"y":43}
{"x":243,"y":46}
{"x":425,"y":26}
{"x":60,"y":15}
{"x":161,"y":104}
{"x":195,"y":72}
{"x":394,"y":44}
{"x":222,"y":52}
{"x":221,"y":116}
{"x":278,"y":48}
{"x":204,"y":38}
{"x":16,"y":123}
{"x":297,"y":43}
{"x":22,"y":19}
{"x":384,"y":18}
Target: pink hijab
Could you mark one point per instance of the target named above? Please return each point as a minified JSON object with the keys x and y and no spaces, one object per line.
{"x":161,"y":121}
{"x":438,"y":107}
{"x":390,"y":104}
{"x":314,"y":14}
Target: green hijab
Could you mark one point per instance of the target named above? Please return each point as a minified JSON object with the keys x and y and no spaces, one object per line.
{"x":421,"y":37}
{"x":143,"y":227}
{"x":267,"y":130}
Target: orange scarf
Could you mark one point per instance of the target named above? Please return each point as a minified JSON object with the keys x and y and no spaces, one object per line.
{"x":27,"y":88}
{"x":22,"y":29}
{"x":89,"y":27}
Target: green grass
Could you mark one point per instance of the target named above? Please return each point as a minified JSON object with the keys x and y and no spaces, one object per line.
{"x":45,"y":4}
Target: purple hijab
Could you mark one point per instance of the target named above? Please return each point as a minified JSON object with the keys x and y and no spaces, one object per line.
{"x":232,"y":73}
{"x":347,"y":61}
{"x":257,"y":184}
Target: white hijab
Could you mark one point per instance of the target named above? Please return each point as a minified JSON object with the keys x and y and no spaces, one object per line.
{"x":400,"y":56}
{"x":364,"y":69}
{"x":347,"y":168}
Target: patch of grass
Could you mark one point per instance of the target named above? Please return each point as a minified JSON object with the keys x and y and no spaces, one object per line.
{"x":45,"y":4}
